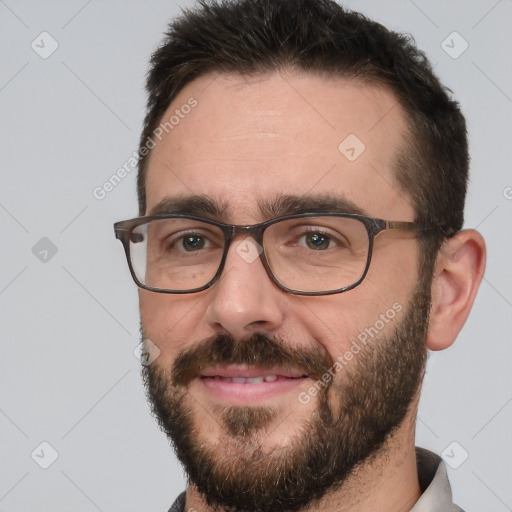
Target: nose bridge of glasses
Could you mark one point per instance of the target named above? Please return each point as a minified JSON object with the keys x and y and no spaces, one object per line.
{"x":254,"y":231}
{"x":247,"y":242}
{"x":249,"y":229}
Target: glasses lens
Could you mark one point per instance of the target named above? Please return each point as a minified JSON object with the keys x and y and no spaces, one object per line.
{"x":317,"y":254}
{"x":176,"y":254}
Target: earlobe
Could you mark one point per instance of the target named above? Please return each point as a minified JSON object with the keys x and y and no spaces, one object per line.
{"x":459,"y":270}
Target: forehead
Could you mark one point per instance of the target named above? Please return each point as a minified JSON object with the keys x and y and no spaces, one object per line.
{"x":243,"y":140}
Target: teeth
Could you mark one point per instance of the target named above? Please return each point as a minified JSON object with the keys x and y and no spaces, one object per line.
{"x":249,"y":380}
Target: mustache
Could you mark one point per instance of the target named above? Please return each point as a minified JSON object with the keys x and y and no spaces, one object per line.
{"x":255,"y":350}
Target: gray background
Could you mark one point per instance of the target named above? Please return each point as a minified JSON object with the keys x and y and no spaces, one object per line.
{"x":69,"y":320}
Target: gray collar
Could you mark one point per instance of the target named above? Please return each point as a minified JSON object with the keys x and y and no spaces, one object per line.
{"x":435,"y":487}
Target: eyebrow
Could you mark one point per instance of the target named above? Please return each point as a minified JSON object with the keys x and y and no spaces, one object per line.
{"x":200,"y":206}
{"x":204,"y":206}
{"x":289,"y":204}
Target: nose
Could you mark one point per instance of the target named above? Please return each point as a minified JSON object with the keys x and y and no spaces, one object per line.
{"x":244,"y":300}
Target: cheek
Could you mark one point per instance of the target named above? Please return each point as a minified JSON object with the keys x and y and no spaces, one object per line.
{"x":393,"y":274}
{"x":170,"y":321}
{"x":330,"y":321}
{"x":365,"y":313}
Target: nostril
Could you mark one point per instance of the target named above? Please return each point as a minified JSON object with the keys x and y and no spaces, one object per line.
{"x":257,"y":323}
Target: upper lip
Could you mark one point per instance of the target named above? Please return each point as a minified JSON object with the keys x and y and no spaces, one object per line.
{"x":248,"y":372}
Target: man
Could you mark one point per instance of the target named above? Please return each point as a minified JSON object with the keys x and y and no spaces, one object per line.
{"x":290,"y":321}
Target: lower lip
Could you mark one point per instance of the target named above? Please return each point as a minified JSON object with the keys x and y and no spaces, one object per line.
{"x":246,"y":392}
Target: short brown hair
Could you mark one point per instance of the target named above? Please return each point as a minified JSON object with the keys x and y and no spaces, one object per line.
{"x":322,"y":37}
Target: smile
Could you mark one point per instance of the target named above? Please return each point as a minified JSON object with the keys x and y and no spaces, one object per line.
{"x":243,"y":380}
{"x":243,"y":385}
{"x":251,"y":380}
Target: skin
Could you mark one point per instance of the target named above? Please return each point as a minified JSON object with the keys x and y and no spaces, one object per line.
{"x":254,"y":138}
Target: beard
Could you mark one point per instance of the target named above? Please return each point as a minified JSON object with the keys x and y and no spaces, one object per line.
{"x":356,"y":413}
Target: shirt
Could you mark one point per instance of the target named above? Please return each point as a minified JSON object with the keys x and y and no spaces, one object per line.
{"x":435,"y":487}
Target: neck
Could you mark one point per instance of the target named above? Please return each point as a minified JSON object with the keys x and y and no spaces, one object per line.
{"x":388,"y":483}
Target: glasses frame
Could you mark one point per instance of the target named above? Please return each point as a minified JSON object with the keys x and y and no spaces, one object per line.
{"x":123,"y":231}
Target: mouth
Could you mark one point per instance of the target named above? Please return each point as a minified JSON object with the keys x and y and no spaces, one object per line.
{"x":244,"y":385}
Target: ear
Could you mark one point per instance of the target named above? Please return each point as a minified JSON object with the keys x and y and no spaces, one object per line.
{"x":459,"y":270}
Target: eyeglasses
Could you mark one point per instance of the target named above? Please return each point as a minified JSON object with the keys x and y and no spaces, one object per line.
{"x":304,"y":254}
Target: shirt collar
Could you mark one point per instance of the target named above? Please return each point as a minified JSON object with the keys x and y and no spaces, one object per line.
{"x":435,"y":487}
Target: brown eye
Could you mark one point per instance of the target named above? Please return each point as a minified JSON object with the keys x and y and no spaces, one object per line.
{"x":317,"y":241}
{"x":192,"y":243}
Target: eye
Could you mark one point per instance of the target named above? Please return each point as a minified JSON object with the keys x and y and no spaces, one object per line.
{"x":318,"y":238}
{"x":316,"y":241}
{"x":192,"y":242}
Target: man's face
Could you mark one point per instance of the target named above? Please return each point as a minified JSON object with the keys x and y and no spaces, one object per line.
{"x":248,"y":143}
